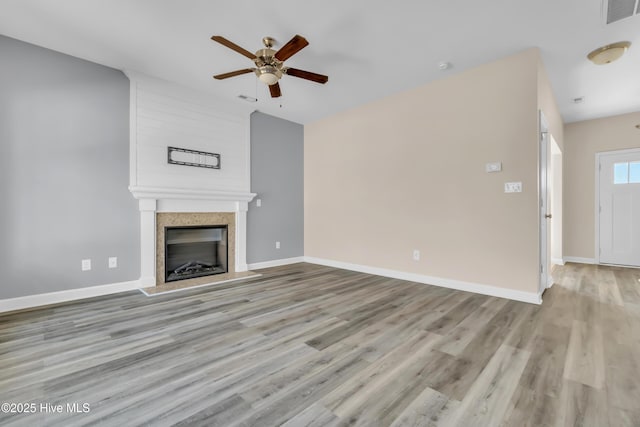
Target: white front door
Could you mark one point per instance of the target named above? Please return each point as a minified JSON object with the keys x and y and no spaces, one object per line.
{"x":619,"y":207}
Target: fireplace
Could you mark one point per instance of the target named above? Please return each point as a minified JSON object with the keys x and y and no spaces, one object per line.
{"x":195,"y":251}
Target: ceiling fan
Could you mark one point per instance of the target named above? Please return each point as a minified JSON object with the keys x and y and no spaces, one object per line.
{"x":270,"y":64}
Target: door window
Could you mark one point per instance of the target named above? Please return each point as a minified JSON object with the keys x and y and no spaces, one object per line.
{"x":626,"y":173}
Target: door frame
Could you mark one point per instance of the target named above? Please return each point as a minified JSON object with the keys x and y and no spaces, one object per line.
{"x":544,"y":275}
{"x":599,"y":156}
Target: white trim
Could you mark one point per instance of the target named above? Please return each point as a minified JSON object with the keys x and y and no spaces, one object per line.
{"x":579,"y":260}
{"x":557,"y":261}
{"x":241,"y":237}
{"x":144,"y":192}
{"x":247,"y":143}
{"x":620,"y":265}
{"x":276,"y":263}
{"x":619,"y":152}
{"x":597,"y":212}
{"x":529,"y":297}
{"x":147,"y":209}
{"x":543,"y":202}
{"x":550,"y":281}
{"x":133,"y":132}
{"x":30,"y":301}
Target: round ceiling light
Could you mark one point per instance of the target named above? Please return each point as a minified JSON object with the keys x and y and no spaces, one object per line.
{"x":268,"y":75}
{"x":609,"y":53}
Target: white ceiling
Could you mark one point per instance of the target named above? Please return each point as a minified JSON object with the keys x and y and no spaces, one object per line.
{"x":369,"y":49}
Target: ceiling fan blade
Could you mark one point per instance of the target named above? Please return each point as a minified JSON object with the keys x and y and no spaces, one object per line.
{"x":233,"y":74}
{"x":275,"y":90}
{"x":307,"y":75}
{"x":233,"y":46}
{"x":293,"y":46}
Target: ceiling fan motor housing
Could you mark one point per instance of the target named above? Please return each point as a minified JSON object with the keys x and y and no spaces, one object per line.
{"x":268,"y":66}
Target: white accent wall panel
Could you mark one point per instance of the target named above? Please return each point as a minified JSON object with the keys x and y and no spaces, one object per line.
{"x":163,"y":115}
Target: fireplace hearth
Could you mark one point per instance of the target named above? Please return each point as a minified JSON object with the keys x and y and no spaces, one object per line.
{"x":195,"y":251}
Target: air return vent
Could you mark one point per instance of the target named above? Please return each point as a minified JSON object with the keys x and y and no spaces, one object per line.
{"x":621,"y":9}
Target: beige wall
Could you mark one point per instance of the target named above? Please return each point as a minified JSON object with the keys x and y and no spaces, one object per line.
{"x":582,"y":141}
{"x":407,"y":172}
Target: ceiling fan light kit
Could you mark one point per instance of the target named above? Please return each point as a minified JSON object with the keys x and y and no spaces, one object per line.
{"x":609,"y":53}
{"x":268,"y":74}
{"x":270,"y":63}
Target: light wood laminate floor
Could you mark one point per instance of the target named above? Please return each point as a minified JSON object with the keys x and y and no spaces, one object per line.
{"x":306,"y":345}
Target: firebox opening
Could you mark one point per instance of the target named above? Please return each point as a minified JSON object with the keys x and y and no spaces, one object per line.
{"x":195,"y":251}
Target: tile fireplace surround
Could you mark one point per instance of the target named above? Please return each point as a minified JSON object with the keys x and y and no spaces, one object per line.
{"x":177,"y":219}
{"x":160,"y":207}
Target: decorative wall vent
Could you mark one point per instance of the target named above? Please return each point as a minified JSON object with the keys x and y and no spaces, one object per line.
{"x":186,"y":157}
{"x":621,"y":9}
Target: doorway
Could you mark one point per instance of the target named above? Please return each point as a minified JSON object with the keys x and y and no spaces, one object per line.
{"x":550,"y":204}
{"x":555,"y":202}
{"x":618,"y":207}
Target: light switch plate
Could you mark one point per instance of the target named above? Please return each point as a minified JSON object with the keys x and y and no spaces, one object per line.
{"x":493,"y":167}
{"x":513,"y":187}
{"x":258,"y":202}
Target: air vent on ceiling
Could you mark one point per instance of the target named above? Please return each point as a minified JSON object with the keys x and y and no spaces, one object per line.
{"x":621,"y":9}
{"x":248,"y":98}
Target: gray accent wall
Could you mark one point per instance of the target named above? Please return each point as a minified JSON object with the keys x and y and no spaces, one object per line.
{"x":277,"y":166}
{"x":64,"y":172}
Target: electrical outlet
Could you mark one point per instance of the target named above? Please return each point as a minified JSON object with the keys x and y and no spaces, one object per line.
{"x":416,"y":255}
{"x":513,"y":187}
{"x":277,"y":245}
{"x":113,"y":262}
{"x":493,"y":167}
{"x":86,"y":264}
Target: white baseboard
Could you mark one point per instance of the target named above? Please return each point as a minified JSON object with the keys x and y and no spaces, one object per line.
{"x":557,"y":261}
{"x":495,"y":291}
{"x":550,"y":281}
{"x":30,"y":301}
{"x":579,"y":260}
{"x":275,"y":263}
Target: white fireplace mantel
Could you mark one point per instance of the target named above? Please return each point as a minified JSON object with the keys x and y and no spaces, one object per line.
{"x":154,"y":199}
{"x":190,"y":194}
